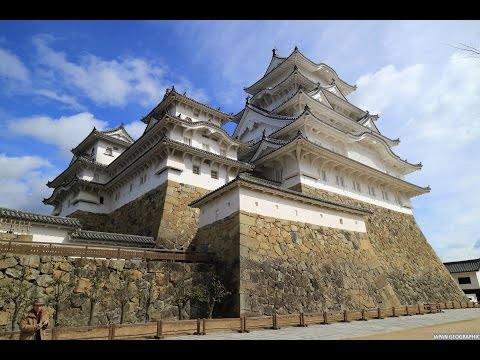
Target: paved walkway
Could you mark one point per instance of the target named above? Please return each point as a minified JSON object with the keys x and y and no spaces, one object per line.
{"x":349,"y":330}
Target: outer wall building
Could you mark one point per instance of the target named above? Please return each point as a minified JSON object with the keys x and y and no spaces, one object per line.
{"x":467,"y":274}
{"x":306,"y":205}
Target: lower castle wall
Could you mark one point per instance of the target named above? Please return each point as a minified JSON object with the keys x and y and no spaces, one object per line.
{"x":162,"y":213}
{"x":411,"y":266}
{"x":77,"y":277}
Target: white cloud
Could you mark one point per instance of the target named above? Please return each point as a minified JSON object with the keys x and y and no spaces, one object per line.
{"x":135,"y":129}
{"x":23,"y":181}
{"x":63,"y":98}
{"x":11,"y":67}
{"x":65,"y":132}
{"x":386,"y":87}
{"x":111,"y":82}
{"x":443,"y":131}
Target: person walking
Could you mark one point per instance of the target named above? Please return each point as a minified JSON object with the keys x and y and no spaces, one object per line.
{"x":34,"y":322}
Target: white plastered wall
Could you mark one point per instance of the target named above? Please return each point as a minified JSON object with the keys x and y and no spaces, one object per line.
{"x":278,"y":207}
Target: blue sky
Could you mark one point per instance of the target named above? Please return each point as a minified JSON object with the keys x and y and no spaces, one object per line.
{"x":58,"y":79}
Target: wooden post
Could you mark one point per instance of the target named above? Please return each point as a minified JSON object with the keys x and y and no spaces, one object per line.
{"x":159,"y":330}
{"x":245,"y":325}
{"x":325,"y":318}
{"x":393,"y":312}
{"x":345,"y":316}
{"x":406,"y":311}
{"x":379,"y":313}
{"x":274,"y":321}
{"x":55,"y":330}
{"x":420,"y":310}
{"x":301,"y":320}
{"x":198,"y":328}
{"x":204,"y":327}
{"x":118,"y":253}
{"x":242,"y":324}
{"x":364,"y":318}
{"x":111,"y":332}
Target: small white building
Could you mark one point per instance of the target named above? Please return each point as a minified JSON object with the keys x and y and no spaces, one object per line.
{"x":467,"y":274}
{"x":33,"y":227}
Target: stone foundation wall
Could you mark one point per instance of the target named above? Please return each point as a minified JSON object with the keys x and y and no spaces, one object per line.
{"x":290,"y":266}
{"x":222,"y":238}
{"x":115,"y":279}
{"x":162,"y":213}
{"x":411,"y":266}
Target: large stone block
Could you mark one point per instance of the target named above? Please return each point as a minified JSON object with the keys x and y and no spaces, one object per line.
{"x":8,"y":263}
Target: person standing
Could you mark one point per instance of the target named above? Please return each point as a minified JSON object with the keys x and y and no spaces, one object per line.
{"x":34,"y":322}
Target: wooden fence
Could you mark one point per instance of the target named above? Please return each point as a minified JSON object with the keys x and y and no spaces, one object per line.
{"x":99,"y":251}
{"x":162,"y":329}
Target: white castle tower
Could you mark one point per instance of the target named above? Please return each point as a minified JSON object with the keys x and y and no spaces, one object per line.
{"x":304,"y":131}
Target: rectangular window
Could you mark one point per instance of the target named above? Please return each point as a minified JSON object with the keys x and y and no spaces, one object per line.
{"x":196,"y":169}
{"x":214,"y":174}
{"x":117,"y":196}
{"x":337,"y":180}
{"x":131,"y":187}
{"x":341,"y":181}
{"x":371,"y":190}
{"x":384,"y":195}
{"x":95,"y":177}
{"x":101,"y":199}
{"x":108,"y":151}
{"x":356,"y":186}
{"x":324,"y":175}
{"x":398,"y":199}
{"x":464,"y":280}
{"x":187,"y":141}
{"x":205,"y":147}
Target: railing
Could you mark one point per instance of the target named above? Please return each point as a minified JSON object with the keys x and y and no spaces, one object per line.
{"x":99,"y":251}
{"x":162,"y":329}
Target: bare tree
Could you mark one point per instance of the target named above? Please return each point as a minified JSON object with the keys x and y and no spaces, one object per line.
{"x":61,"y":293}
{"x":211,"y":291}
{"x":97,"y":280}
{"x":20,"y":292}
{"x":469,"y":50}
{"x":123,"y":294}
{"x":147,"y":295}
{"x":181,"y":288}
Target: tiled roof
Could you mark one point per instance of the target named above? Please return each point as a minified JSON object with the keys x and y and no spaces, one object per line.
{"x":39,"y":218}
{"x":105,"y":237}
{"x":463,"y":266}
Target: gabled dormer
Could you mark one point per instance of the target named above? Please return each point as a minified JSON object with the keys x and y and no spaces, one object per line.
{"x":103,"y":146}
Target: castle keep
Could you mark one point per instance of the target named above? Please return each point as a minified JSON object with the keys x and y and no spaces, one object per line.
{"x":306,"y":205}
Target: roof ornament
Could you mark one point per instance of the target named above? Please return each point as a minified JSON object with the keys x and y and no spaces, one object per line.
{"x":185,"y":93}
{"x":274,"y":51}
{"x":319,"y":85}
{"x":333,"y":82}
{"x":173,"y":87}
{"x":296,"y":48}
{"x":94,"y":128}
{"x":218,"y":108}
{"x":307,"y":108}
{"x":264,"y":135}
{"x":295,"y":67}
{"x":247,"y":100}
{"x":122,"y":124}
{"x":299,"y":133}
